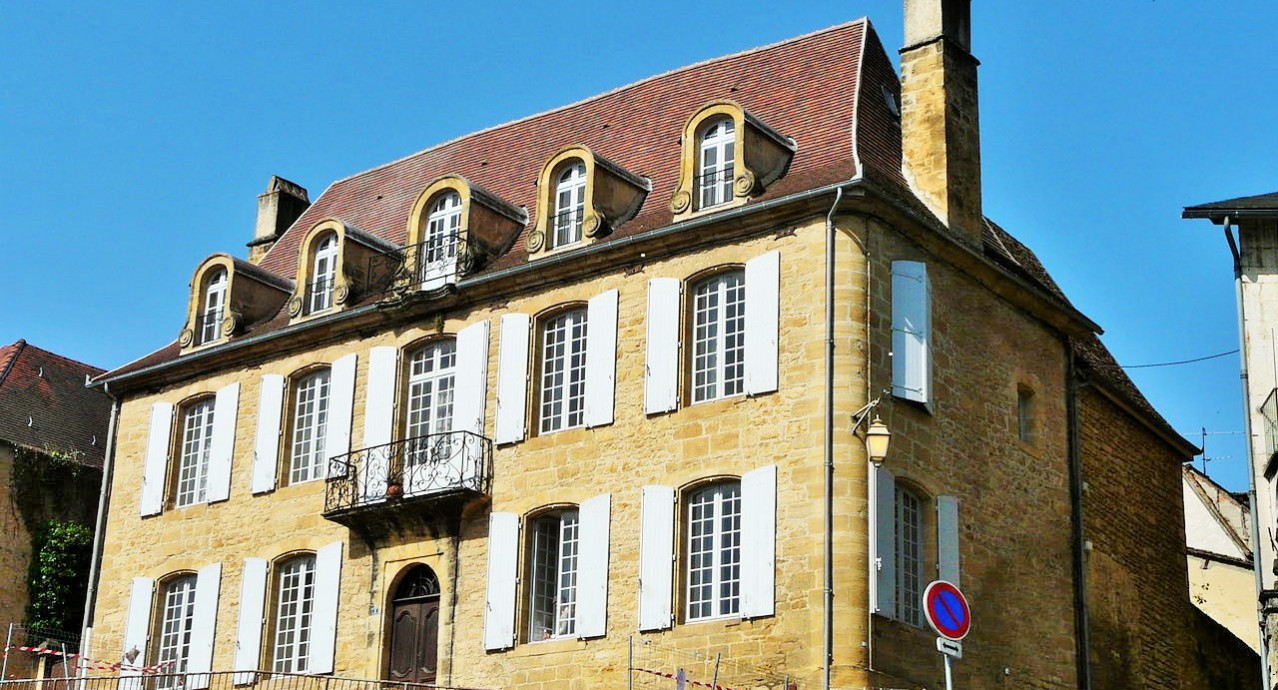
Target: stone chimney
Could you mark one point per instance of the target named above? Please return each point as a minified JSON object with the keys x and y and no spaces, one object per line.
{"x":282,"y":203}
{"x":940,"y":125}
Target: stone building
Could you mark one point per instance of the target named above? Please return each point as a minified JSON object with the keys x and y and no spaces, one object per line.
{"x":562,"y":402}
{"x":1218,"y":549}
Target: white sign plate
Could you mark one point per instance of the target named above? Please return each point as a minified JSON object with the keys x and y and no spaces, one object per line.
{"x":949,"y":648}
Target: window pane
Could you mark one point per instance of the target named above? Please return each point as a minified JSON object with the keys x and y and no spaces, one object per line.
{"x":563,"y":371}
{"x":714,"y":551}
{"x":178,"y":616}
{"x":718,"y":335}
{"x":909,"y":557}
{"x":310,"y":425}
{"x":554,"y":573}
{"x":293,"y":612}
{"x":193,"y":461}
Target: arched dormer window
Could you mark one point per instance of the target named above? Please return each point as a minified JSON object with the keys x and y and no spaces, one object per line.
{"x":728,"y":157}
{"x":570,"y":201}
{"x":323,"y":275}
{"x":213,"y":308}
{"x":227,"y":294}
{"x":581,"y":197}
{"x":333,"y":268}
{"x":454,"y":228}
{"x":439,"y":250}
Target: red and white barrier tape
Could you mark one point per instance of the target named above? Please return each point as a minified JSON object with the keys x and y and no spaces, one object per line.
{"x":96,"y":664}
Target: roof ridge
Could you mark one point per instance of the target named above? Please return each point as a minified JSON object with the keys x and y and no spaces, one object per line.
{"x":20,"y":345}
{"x":64,"y":357}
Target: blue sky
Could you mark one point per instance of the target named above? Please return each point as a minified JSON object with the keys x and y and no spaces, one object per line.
{"x":134,"y":140}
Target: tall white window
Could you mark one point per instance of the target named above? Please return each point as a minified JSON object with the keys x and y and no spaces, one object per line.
{"x":716,"y":162}
{"x":563,"y":371}
{"x":570,"y":201}
{"x":323,"y":275}
{"x":554,"y":576}
{"x":432,"y":371}
{"x":193,"y":461}
{"x":443,"y":222}
{"x":177,"y":618}
{"x":909,"y":557}
{"x":294,"y":609}
{"x":714,"y":551}
{"x":310,"y":423}
{"x":214,"y":306}
{"x":718,"y":337}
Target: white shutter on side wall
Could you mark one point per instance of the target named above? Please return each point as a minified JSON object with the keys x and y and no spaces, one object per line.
{"x":758,"y":541}
{"x":471,"y":395}
{"x":656,"y":558}
{"x":601,"y":358}
{"x":379,"y":419}
{"x":137,"y":630}
{"x":203,"y":623}
{"x":762,"y":322}
{"x":226,"y":406}
{"x":157,"y":459}
{"x":248,"y":638}
{"x":884,"y":538}
{"x":911,"y":332}
{"x":594,"y":516}
{"x":266,"y":448}
{"x":503,"y":563}
{"x":328,"y":580}
{"x":341,"y":406}
{"x":661,"y":380}
{"x":512,"y":378}
{"x":947,"y":539}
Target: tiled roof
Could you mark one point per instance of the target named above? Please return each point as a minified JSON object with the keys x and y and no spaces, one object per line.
{"x":44,"y":403}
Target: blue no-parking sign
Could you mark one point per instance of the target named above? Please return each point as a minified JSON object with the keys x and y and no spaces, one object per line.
{"x":946,"y":610}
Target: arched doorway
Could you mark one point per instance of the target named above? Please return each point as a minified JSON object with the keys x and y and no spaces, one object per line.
{"x":414,"y":634}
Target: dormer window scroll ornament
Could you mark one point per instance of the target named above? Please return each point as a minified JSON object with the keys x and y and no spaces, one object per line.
{"x":729,"y":156}
{"x":333,"y":268}
{"x":581,"y":197}
{"x":226,"y":295}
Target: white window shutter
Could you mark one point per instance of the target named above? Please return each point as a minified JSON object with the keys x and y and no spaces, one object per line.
{"x":656,"y":558}
{"x":503,"y":564}
{"x":328,"y":580}
{"x":884,"y":539}
{"x":248,"y":638}
{"x":226,"y":405}
{"x":762,"y":322}
{"x":379,"y":419}
{"x":157,"y":459}
{"x":512,"y":378}
{"x":594,"y":516}
{"x":341,"y":406}
{"x":661,"y":380}
{"x":947,"y":539}
{"x":758,"y":542}
{"x":137,"y":630}
{"x":266,"y":449}
{"x":601,"y":358}
{"x":911,"y":332}
{"x":208,"y":582}
{"x":472,"y":378}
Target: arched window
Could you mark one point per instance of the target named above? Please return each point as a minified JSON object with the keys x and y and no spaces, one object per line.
{"x":196,"y":442}
{"x":414,"y":643}
{"x":214,"y":306}
{"x":718,"y":336}
{"x":177,"y":617}
{"x":909,"y":556}
{"x":323,"y":275}
{"x":715,"y":163}
{"x":570,"y":200}
{"x":439,"y":250}
{"x":432,"y":371}
{"x":563,"y":370}
{"x":294,"y":607}
{"x":553,"y":592}
{"x":714,"y":551}
{"x":310,"y":426}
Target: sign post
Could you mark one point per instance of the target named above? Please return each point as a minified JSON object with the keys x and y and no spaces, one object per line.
{"x":947,"y":612}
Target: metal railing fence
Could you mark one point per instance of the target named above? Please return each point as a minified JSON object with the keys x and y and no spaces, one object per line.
{"x":218,"y":680}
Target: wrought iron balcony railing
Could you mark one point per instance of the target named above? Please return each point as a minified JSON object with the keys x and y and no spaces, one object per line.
{"x":427,"y":265}
{"x":318,"y":295}
{"x":567,"y":226}
{"x":715,"y":187}
{"x":414,"y":469}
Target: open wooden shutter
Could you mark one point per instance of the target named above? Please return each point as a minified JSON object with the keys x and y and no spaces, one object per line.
{"x":471,"y":397}
{"x":884,"y":536}
{"x":266,"y":449}
{"x":762,"y":322}
{"x":137,"y":631}
{"x":503,"y":564}
{"x":341,"y":407}
{"x":328,"y":581}
{"x":379,"y":419}
{"x":947,"y":539}
{"x":226,"y":405}
{"x":656,"y":558}
{"x":512,"y":378}
{"x":157,"y":459}
{"x":248,"y":638}
{"x":758,"y":542}
{"x":594,"y":516}
{"x":661,"y":379}
{"x":601,"y":358}
{"x":911,"y":332}
{"x":199,"y":663}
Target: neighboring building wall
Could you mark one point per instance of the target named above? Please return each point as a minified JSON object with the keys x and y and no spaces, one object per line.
{"x":1227,"y":593}
{"x":15,"y":548}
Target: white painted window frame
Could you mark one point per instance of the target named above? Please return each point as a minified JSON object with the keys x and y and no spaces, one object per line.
{"x":323,"y":275}
{"x":214,"y":306}
{"x":706,"y":317}
{"x":308,"y":456}
{"x":562,"y":398}
{"x":718,"y":140}
{"x":439,"y":249}
{"x":555,"y":552}
{"x":194,"y":450}
{"x":296,"y":579}
{"x":177,"y":621}
{"x":723,"y":550}
{"x":569,"y":210}
{"x":908,"y":553}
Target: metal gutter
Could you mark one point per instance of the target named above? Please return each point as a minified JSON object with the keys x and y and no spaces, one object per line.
{"x":99,"y":528}
{"x":1082,"y":633}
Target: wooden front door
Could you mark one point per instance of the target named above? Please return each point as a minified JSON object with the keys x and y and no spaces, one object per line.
{"x":414,"y":634}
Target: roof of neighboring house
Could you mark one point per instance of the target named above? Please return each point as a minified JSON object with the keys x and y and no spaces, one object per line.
{"x":1264,"y":205}
{"x":45,"y":405}
{"x":1227,"y":515}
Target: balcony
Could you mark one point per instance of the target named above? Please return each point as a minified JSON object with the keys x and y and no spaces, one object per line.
{"x":424,"y":267}
{"x":400,"y":484}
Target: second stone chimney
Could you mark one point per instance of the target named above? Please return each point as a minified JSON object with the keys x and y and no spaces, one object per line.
{"x":282,"y":203}
{"x":940,"y":123}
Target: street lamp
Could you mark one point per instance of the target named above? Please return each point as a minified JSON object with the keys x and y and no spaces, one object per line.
{"x":877,"y":438}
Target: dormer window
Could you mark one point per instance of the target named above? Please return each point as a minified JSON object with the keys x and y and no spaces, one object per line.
{"x":439,"y":255}
{"x":717,"y":156}
{"x":214,"y":306}
{"x":323,"y":275}
{"x":570,"y":203}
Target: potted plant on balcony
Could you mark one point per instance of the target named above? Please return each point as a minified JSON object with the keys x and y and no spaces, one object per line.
{"x":394,"y":489}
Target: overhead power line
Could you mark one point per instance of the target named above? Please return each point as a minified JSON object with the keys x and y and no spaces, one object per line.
{"x":1183,"y":361}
